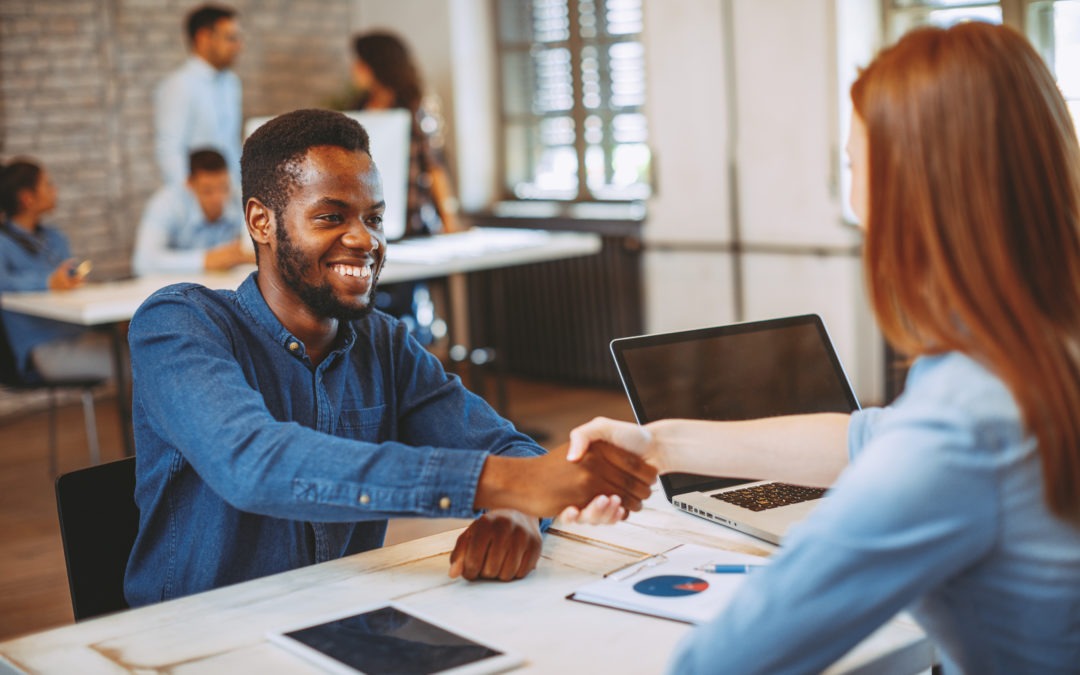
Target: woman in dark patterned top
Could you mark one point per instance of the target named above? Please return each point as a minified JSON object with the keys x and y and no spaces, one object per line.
{"x":387,"y":78}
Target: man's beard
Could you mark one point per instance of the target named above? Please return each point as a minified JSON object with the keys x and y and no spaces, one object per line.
{"x":319,"y":299}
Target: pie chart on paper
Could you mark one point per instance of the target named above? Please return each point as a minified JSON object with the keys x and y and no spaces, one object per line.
{"x":671,"y":586}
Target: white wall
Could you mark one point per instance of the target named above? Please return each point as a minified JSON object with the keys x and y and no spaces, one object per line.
{"x":743,"y":109}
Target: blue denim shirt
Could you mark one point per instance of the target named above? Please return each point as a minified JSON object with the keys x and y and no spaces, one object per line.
{"x":942,"y":512}
{"x":26,"y":262}
{"x":250,"y":461}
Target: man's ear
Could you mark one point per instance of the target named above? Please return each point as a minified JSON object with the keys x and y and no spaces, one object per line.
{"x":260,"y":221}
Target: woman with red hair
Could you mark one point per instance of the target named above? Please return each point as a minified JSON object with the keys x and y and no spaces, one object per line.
{"x":961,"y":501}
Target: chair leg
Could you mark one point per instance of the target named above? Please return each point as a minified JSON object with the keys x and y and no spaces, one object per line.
{"x":52,"y":432}
{"x":91,"y":425}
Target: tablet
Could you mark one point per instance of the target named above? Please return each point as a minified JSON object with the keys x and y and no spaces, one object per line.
{"x":392,"y":639}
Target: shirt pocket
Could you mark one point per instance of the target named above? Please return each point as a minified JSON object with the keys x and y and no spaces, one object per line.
{"x":362,"y":424}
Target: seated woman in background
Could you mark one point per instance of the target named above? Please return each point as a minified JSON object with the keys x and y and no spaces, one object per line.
{"x":961,"y":501}
{"x":387,"y":78}
{"x":37,"y":257}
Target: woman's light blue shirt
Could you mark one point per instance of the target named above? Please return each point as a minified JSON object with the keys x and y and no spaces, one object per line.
{"x":942,"y":512}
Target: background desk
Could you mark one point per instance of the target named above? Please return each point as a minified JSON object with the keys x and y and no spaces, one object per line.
{"x":111,"y":304}
{"x":223,"y":631}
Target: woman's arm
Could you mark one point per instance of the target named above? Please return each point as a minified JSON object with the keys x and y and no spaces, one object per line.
{"x":801,"y":449}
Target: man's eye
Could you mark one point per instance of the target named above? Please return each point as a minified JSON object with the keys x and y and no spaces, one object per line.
{"x":331,"y":217}
{"x":375,"y":221}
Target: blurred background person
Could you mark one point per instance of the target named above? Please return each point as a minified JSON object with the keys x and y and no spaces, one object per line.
{"x":194,"y":227}
{"x":198,"y":105}
{"x":37,"y":257}
{"x":386,"y":77}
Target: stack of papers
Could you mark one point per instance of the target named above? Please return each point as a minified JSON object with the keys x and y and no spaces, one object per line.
{"x":674,"y":584}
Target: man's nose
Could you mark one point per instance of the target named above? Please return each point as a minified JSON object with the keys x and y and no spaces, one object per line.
{"x":359,"y":236}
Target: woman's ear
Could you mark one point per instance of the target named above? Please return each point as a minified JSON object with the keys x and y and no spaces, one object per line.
{"x":260,"y":221}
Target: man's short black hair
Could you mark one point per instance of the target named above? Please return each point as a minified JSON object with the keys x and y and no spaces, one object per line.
{"x":206,"y":16}
{"x":206,"y":159}
{"x":268,"y":165}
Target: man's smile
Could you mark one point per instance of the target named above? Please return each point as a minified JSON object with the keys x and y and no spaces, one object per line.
{"x":361,"y":271}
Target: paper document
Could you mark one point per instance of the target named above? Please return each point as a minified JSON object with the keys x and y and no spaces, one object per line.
{"x":681,"y":584}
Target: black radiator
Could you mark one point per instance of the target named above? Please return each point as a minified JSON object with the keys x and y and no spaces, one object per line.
{"x":554,"y":320}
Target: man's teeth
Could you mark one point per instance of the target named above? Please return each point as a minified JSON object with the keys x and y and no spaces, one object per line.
{"x":353,"y":271}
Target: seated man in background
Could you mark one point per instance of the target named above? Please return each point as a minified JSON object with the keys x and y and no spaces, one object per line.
{"x":194,"y":227}
{"x":37,"y":257}
{"x":281,"y":424}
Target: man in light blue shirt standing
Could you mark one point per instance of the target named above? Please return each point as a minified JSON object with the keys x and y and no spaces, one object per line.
{"x":194,"y":227}
{"x":198,"y":105}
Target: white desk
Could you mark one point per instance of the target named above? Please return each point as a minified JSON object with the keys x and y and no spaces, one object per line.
{"x":113,"y":303}
{"x":99,"y":304}
{"x":223,"y":631}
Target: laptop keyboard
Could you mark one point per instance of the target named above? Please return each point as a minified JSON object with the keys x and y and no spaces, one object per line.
{"x":770,"y":496}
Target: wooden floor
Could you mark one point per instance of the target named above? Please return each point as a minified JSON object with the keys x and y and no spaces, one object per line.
{"x":33,"y":579}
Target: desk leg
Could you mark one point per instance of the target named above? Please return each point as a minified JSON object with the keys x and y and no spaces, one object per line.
{"x":122,"y":372}
{"x":498,"y":300}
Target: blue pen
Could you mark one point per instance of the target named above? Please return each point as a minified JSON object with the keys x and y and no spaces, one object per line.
{"x":727,"y":569}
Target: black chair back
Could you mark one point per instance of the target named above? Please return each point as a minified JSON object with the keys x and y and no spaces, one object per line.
{"x":98,"y":524}
{"x":9,"y":374}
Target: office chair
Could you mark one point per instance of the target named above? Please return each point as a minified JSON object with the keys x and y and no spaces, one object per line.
{"x":11,"y":379}
{"x":98,"y":524}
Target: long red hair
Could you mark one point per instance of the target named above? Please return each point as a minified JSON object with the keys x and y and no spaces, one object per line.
{"x":973,"y":225}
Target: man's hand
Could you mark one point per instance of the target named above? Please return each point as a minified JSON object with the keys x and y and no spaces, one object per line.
{"x":500,"y":544}
{"x":544,"y":486}
{"x":227,"y":256}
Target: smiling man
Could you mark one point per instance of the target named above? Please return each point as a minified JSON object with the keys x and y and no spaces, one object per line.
{"x":283,"y":423}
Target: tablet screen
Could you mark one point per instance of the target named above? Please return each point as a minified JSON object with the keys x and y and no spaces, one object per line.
{"x":391,"y":640}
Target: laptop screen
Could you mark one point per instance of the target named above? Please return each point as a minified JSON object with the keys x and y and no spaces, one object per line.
{"x":760,"y":369}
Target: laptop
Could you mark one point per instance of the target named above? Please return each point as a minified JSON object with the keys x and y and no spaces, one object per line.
{"x":743,"y":371}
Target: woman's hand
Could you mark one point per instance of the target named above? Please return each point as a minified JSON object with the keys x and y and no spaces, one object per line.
{"x":604,"y":509}
{"x":626,"y":435}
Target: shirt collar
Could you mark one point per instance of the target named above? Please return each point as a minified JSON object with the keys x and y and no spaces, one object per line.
{"x":254,"y":304}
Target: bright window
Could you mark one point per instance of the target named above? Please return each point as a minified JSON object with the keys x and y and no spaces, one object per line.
{"x":1053,"y":26}
{"x":573,"y":94}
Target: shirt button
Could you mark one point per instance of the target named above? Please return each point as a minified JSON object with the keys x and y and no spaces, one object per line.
{"x":444,"y":503}
{"x":293,"y":346}
{"x":365,"y":499}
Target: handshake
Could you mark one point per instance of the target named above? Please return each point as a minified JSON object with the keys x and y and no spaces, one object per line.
{"x":590,"y":476}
